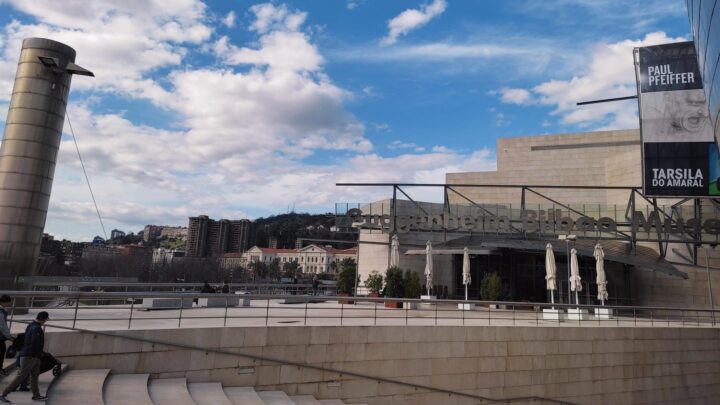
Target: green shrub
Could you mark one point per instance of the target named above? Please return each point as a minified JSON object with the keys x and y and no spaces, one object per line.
{"x":374,"y":282}
{"x":394,"y":287}
{"x":491,"y":287}
{"x":346,"y":279}
{"x":412,"y":284}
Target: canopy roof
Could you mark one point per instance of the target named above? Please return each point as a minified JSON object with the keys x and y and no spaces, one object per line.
{"x":616,"y":251}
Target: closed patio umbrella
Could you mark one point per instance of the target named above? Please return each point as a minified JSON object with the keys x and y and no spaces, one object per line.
{"x":575,"y":284}
{"x":466,"y":271}
{"x":550,"y":271}
{"x":429,"y":267}
{"x":394,"y":252}
{"x":601,"y":279}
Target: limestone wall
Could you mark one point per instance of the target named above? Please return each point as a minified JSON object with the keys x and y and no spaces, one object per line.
{"x":582,"y":159}
{"x":586,"y":365}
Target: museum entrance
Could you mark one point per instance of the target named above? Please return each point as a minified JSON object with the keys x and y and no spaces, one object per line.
{"x":522,"y":275}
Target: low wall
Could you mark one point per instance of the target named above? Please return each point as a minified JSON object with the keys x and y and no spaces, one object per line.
{"x":590,"y":365}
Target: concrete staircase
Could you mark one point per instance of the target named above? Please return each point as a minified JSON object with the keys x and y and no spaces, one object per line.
{"x":101,"y":386}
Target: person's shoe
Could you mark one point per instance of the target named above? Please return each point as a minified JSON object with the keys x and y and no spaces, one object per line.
{"x":39,"y":398}
{"x":5,"y":400}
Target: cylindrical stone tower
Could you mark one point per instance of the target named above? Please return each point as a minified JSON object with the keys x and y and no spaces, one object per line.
{"x":28,"y":152}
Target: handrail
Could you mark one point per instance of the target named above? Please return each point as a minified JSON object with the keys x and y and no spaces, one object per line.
{"x":308,"y":298}
{"x":305,"y":365}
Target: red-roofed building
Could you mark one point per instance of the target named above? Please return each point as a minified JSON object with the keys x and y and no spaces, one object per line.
{"x":312,"y":258}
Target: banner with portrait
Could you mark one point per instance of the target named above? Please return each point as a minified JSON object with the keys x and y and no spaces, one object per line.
{"x":680,"y":157}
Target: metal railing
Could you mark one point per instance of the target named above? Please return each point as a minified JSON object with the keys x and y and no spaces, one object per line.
{"x":257,"y":288}
{"x":121,"y":310}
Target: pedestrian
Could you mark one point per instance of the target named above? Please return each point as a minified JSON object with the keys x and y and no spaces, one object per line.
{"x":207,"y":288}
{"x":5,"y":301}
{"x":225,"y":287}
{"x":30,"y":358}
{"x":315,"y":285}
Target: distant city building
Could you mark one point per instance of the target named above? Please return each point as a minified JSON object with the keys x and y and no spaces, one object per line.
{"x":160,"y":231}
{"x":151,"y":232}
{"x":272,"y":242}
{"x":116,"y":260}
{"x":116,"y":233}
{"x":162,"y":257}
{"x":174,"y":232}
{"x":207,"y":237}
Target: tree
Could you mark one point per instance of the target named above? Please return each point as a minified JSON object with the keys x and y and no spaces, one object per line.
{"x":291,"y":269}
{"x":274,"y":269}
{"x":394,"y":283}
{"x":491,"y":287}
{"x":347,"y":263}
{"x":346,"y":279}
{"x":412,"y":284}
{"x":374,"y":282}
{"x":258,"y":269}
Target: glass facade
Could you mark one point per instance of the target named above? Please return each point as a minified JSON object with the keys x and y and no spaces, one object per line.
{"x":705,"y":22}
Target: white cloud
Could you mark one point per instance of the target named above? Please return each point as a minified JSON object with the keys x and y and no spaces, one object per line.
{"x":269,"y":17}
{"x":412,"y":19}
{"x":239,"y":133}
{"x":515,"y":96}
{"x":120,"y":41}
{"x":609,"y":73}
{"x":229,"y":19}
{"x":351,"y":5}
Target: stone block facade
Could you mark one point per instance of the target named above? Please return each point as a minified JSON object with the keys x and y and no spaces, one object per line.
{"x":588,"y":365}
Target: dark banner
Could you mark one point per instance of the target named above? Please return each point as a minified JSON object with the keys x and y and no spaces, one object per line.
{"x":680,"y":157}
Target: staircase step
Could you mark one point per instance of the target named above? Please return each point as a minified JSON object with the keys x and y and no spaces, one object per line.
{"x":78,"y":387}
{"x":243,"y":396}
{"x":45,"y":381}
{"x":331,"y":402}
{"x":208,"y":394}
{"x":275,"y":398}
{"x":170,"y":391}
{"x":127,"y":389}
{"x":305,"y":400}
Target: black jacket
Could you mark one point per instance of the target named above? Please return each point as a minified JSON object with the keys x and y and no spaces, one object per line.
{"x":34,"y":341}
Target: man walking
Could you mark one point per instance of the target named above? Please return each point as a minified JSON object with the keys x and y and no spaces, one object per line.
{"x":30,"y":359}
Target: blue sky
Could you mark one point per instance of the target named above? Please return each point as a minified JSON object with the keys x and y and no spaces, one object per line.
{"x":241,"y":109}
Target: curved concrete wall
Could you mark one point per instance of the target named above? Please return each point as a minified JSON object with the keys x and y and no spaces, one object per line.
{"x":28,"y":153}
{"x":588,"y":365}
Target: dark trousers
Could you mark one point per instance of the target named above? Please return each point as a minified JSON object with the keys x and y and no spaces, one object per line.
{"x":29,"y":366}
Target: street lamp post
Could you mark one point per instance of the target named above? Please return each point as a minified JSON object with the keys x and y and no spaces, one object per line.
{"x":707,"y":270}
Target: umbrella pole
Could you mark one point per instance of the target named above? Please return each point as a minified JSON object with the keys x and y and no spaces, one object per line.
{"x":552,"y":298}
{"x":465,"y":292}
{"x":577,"y":301}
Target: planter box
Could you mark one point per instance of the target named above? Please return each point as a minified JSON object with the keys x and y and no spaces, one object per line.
{"x":166,"y":303}
{"x":604,"y":313}
{"x":218,"y":302}
{"x":245,"y":302}
{"x":393,"y":304}
{"x":410,"y":305}
{"x":553,"y":315}
{"x":466,"y":306}
{"x":345,"y":302}
{"x":577,"y":314}
{"x":373,"y":295}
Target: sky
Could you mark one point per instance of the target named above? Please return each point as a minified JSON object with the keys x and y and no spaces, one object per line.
{"x":241,"y":109}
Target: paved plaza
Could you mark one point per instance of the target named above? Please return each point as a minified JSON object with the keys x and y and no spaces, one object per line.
{"x":328,"y":313}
